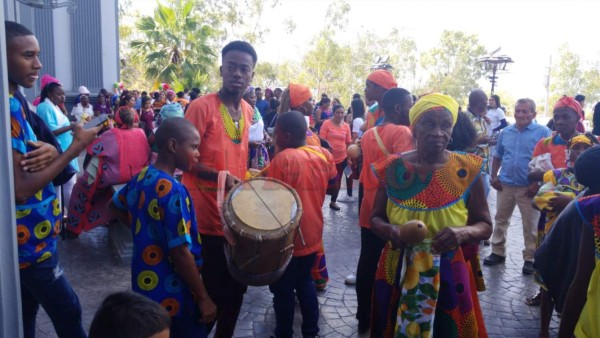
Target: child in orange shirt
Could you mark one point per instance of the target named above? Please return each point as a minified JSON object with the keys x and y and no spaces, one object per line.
{"x":309,"y":170}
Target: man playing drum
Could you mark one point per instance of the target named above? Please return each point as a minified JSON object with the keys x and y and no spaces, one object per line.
{"x":222,"y":119}
{"x":309,"y":170}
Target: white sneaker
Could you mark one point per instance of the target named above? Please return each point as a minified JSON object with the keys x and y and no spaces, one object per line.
{"x":350,"y":279}
{"x":347,"y":199}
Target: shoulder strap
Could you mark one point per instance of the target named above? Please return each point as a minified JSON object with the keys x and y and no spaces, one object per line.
{"x":380,"y":142}
{"x":313,"y":151}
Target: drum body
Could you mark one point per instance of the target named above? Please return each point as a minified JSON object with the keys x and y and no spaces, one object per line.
{"x":261,"y":217}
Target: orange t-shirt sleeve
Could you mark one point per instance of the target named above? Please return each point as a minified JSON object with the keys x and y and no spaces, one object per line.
{"x":196,"y":114}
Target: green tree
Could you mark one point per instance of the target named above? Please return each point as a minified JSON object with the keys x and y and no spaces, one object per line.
{"x":232,"y":19}
{"x":175,"y":45}
{"x":567,"y":75}
{"x":265,"y":74}
{"x":452,"y":66}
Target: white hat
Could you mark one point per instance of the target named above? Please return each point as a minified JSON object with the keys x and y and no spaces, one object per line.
{"x":83,"y":90}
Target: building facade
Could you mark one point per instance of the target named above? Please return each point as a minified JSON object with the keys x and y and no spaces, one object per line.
{"x":79,"y":46}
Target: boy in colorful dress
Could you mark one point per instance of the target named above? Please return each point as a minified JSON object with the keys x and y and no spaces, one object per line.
{"x":167,"y":258}
{"x":309,"y":170}
{"x":35,"y":165}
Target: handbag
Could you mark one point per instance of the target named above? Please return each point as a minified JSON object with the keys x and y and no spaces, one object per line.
{"x":44,"y":134}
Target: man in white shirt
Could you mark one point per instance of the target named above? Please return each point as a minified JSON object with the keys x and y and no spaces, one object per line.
{"x":497,"y":121}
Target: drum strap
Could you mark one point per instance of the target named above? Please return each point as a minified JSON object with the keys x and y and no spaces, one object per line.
{"x":220,"y":198}
{"x":380,"y":142}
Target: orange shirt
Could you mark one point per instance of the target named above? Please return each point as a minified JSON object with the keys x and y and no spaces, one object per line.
{"x":338,"y":137}
{"x":217,"y":151}
{"x":309,"y":174}
{"x":396,"y":139}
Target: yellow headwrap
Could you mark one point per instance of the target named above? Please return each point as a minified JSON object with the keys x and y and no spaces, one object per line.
{"x":581,"y":138}
{"x":430,"y":101}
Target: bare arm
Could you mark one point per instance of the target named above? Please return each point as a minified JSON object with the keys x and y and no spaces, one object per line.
{"x":318,"y":115}
{"x":210,"y":174}
{"x":37,"y":159}
{"x":577,"y":295}
{"x":379,"y":221}
{"x":188,"y":271}
{"x":28,"y":183}
{"x":59,"y":131}
{"x":537,"y":176}
{"x":496,"y":184}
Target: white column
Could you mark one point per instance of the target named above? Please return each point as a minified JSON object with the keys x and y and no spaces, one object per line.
{"x":110,"y":43}
{"x":10,"y":299}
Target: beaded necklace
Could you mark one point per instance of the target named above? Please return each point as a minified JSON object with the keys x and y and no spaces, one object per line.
{"x":233,"y":130}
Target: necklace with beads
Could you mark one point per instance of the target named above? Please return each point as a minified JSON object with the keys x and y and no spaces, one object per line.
{"x":233,"y":129}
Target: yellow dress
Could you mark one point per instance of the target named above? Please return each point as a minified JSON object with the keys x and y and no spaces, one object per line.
{"x":417,"y":293}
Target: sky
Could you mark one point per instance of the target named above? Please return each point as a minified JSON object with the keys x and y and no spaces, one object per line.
{"x":528,"y":31}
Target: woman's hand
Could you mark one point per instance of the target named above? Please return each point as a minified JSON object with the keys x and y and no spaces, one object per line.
{"x":39,"y":158}
{"x":396,"y":237}
{"x":449,"y":238}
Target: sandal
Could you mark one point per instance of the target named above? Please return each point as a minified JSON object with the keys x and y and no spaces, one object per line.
{"x":535,"y":300}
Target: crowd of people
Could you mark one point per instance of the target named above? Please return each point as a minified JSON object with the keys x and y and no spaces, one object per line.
{"x":420,"y":158}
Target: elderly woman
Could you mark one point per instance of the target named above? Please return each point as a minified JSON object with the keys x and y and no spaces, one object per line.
{"x":435,"y":278}
{"x":83,"y":111}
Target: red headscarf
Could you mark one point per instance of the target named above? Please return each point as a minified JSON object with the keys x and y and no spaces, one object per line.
{"x":567,"y":101}
{"x":298,"y":94}
{"x":383,"y":79}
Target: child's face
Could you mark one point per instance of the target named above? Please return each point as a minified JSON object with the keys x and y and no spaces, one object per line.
{"x":23,"y":61}
{"x":576,"y":150}
{"x":186,"y":152}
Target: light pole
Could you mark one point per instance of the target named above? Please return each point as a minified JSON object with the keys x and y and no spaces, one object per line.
{"x":494,"y":63}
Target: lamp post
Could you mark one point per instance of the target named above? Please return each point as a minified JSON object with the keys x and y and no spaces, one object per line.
{"x":494,"y":63}
{"x":51,"y":4}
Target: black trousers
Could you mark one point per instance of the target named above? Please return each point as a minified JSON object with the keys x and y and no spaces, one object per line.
{"x":370,"y":250}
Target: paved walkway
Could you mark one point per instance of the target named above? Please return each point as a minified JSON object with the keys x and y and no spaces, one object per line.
{"x":90,"y":264}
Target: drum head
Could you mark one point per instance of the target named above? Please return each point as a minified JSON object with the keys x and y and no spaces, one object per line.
{"x":264,"y":204}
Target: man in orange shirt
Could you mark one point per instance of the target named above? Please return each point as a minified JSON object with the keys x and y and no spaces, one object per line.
{"x":309,"y":170}
{"x":376,"y":85}
{"x":222,"y":119}
{"x":391,"y":136}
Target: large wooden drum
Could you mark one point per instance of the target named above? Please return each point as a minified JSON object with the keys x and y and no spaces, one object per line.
{"x":261,"y":217}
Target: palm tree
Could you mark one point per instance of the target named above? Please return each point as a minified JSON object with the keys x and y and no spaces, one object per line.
{"x":175,"y":45}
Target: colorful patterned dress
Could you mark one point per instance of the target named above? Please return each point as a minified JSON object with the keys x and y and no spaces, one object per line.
{"x":418,"y":293}
{"x":556,"y":181}
{"x":588,"y":324}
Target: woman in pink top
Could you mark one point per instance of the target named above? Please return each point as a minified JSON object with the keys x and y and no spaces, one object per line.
{"x":338,"y":134}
